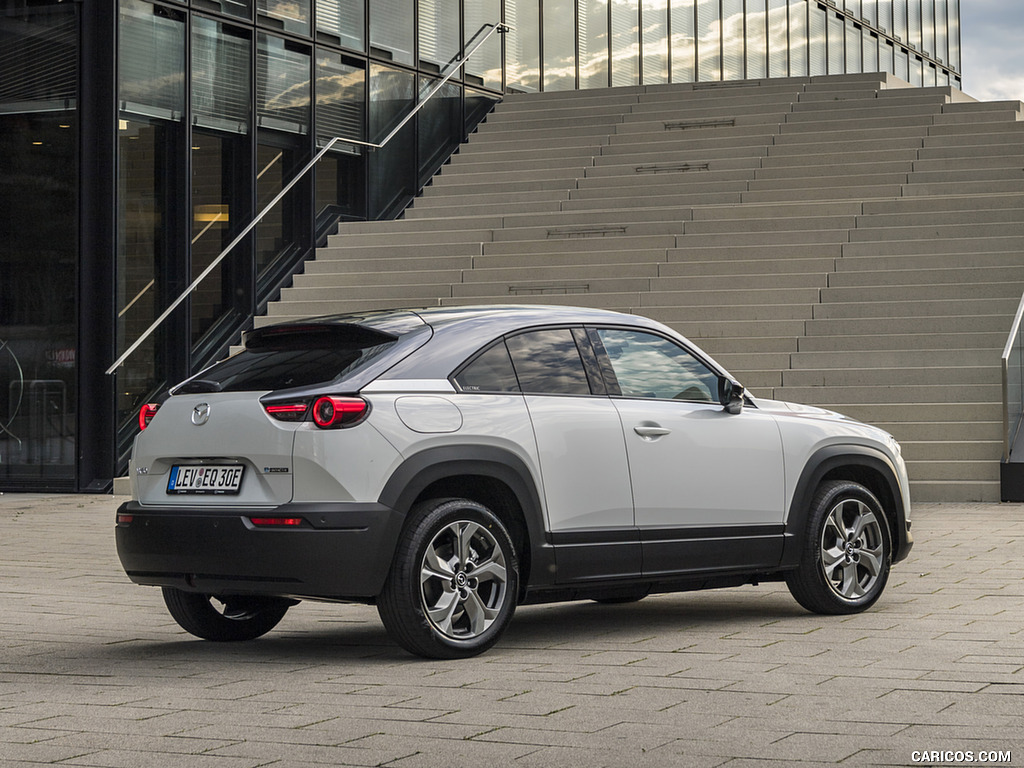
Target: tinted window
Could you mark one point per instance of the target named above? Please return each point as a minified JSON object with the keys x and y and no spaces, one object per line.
{"x":489,"y":372}
{"x":547,"y":362}
{"x":647,"y":365}
{"x":295,"y":358}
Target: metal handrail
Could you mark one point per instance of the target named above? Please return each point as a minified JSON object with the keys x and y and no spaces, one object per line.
{"x":497,"y":28}
{"x":1011,"y":341}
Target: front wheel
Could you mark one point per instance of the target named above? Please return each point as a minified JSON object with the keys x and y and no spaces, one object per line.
{"x":846,"y":555}
{"x":224,"y":619}
{"x":453,"y":583}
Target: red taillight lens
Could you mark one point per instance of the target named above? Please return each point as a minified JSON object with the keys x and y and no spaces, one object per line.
{"x":332,"y":412}
{"x":146,"y":414}
{"x":267,"y":522}
{"x":288,"y":411}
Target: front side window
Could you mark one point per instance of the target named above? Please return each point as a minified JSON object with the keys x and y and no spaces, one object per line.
{"x":649,"y":366}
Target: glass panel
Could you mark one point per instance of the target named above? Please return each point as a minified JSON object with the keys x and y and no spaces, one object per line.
{"x":283,"y":103}
{"x":340,"y":100}
{"x":221,"y":66}
{"x":818,"y":49}
{"x":869,"y":11}
{"x":548,"y":363}
{"x":853,"y":6}
{"x":342,"y":20}
{"x":440,"y":126}
{"x":886,"y":58}
{"x":151,"y":61}
{"x":684,"y":42}
{"x":709,"y":40}
{"x":778,"y":44}
{"x":650,"y":366}
{"x":903,"y":64}
{"x":942,"y":31}
{"x":854,"y":50}
{"x":522,"y":45}
{"x":757,"y":39}
{"x":340,"y":111}
{"x":885,"y":15}
{"x":899,"y":19}
{"x":38,"y":248}
{"x":559,"y":45}
{"x":150,"y":145}
{"x":391,"y":29}
{"x":869,"y":51}
{"x":953,"y":30}
{"x":914,"y":24}
{"x":655,"y":41}
{"x":916,"y":71}
{"x":836,"y":40}
{"x":282,"y":85}
{"x":928,"y":27}
{"x":625,"y":43}
{"x":799,"y":39}
{"x":285,"y":15}
{"x":38,"y":59}
{"x":439,"y":33}
{"x":240,"y":8}
{"x":592,"y":41}
{"x":732,"y":42}
{"x":485,"y":65}
{"x":392,"y":170}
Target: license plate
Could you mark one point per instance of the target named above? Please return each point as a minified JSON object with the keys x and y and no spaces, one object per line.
{"x":209,"y":478}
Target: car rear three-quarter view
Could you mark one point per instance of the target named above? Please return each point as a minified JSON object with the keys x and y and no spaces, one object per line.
{"x":448,"y":465}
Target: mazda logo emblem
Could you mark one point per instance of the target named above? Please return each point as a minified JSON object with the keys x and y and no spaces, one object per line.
{"x":201,"y":414}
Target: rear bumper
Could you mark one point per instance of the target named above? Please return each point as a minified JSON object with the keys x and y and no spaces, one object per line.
{"x":340,"y":550}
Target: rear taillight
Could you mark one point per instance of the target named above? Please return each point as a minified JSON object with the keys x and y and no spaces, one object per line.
{"x":327,"y":412}
{"x":333,"y":412}
{"x":146,"y":414}
{"x":288,"y":411}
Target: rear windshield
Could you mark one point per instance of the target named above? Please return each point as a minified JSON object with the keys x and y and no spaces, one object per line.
{"x":293,"y":357}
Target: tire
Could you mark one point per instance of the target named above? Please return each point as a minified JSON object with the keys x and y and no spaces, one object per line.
{"x":242,"y":618}
{"x":454,"y":581}
{"x":846,"y":555}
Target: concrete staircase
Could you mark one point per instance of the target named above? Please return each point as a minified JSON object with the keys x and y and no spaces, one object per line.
{"x":845,"y":241}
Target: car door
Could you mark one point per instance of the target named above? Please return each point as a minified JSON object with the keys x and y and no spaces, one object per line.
{"x":582,"y":455}
{"x":708,"y":485}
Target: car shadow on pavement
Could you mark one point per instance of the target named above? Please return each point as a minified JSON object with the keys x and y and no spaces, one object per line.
{"x":332,"y":633}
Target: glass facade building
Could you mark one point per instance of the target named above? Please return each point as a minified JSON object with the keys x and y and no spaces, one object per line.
{"x":138,"y":138}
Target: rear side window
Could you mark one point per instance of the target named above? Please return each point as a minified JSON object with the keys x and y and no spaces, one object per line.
{"x":293,"y":358}
{"x":491,"y":371}
{"x":548,"y":363}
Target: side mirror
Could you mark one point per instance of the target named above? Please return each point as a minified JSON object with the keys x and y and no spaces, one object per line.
{"x":730,"y":395}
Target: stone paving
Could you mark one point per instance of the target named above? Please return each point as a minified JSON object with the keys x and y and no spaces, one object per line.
{"x":93,"y":671}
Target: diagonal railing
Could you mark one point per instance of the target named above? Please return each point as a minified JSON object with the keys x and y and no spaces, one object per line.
{"x":1013,"y":382}
{"x":497,"y":28}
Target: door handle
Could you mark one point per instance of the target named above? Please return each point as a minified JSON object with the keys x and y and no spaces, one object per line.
{"x":650,"y":431}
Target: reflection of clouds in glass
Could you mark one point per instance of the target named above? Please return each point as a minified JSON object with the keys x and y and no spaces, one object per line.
{"x":650,"y":366}
{"x":547,"y":362}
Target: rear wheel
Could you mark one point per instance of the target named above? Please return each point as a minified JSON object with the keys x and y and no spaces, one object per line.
{"x":846,"y":555}
{"x":453,"y":584}
{"x":224,"y":619}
